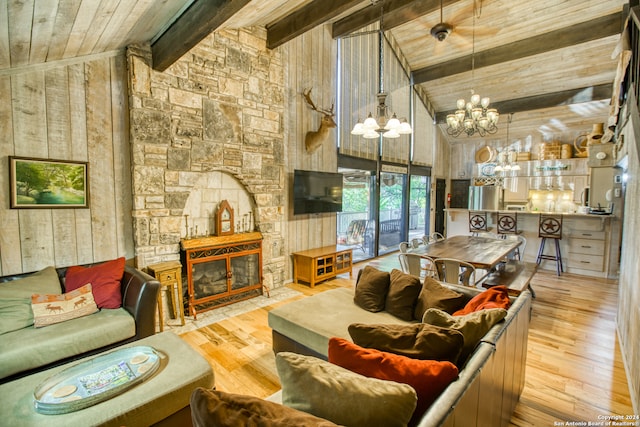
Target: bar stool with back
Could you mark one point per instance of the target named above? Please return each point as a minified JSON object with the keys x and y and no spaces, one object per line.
{"x":478,"y":222}
{"x":550,"y":227}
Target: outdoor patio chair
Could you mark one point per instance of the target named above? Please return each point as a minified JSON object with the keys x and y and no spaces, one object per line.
{"x":356,"y":232}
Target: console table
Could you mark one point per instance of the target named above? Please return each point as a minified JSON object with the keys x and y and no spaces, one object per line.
{"x":315,"y":265}
{"x":222,"y":269}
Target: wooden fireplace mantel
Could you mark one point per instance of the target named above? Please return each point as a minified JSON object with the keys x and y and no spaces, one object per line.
{"x":203,"y":242}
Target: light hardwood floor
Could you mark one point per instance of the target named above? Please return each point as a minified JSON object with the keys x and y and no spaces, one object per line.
{"x":574,"y":369}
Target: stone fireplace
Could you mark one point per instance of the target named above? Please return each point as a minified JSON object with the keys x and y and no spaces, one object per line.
{"x":207,"y":129}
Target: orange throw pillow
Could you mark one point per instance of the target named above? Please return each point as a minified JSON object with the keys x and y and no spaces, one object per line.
{"x":104,"y":278}
{"x":429,"y":378}
{"x":496,"y":297}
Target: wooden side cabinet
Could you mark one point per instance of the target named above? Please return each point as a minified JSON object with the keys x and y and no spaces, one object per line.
{"x":316,"y":265}
{"x":170,"y":277}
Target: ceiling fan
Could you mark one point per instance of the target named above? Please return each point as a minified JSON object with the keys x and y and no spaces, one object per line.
{"x":453,"y":29}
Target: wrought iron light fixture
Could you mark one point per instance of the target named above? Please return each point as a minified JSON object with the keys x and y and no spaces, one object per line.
{"x":373,"y":127}
{"x":474,"y":116}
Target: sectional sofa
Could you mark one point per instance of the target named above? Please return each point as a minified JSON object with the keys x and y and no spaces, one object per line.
{"x":489,"y":383}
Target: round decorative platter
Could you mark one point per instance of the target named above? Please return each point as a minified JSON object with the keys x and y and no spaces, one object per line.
{"x":95,"y":380}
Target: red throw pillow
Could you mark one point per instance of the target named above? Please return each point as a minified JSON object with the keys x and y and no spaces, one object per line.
{"x":496,"y":297}
{"x":429,"y":378}
{"x":104,"y":278}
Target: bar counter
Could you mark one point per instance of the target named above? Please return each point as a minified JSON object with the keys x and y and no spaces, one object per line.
{"x":589,"y":243}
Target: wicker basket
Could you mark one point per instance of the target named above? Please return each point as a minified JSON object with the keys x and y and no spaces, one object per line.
{"x":550,"y":150}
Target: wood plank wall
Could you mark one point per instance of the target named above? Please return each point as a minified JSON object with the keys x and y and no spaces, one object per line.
{"x":71,"y":111}
{"x":310,"y":63}
{"x":628,"y":319}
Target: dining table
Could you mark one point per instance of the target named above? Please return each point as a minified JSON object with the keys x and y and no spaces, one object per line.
{"x":482,"y":252}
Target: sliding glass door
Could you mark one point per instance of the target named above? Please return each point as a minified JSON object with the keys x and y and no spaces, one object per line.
{"x":392,"y":223}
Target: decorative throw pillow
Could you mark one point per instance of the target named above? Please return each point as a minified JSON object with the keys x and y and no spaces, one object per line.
{"x":336,"y":394}
{"x":496,"y":297}
{"x":473,"y":326}
{"x":104,"y":278}
{"x":403,"y":293}
{"x":220,"y":409}
{"x":429,"y":378}
{"x":50,"y":309}
{"x":418,"y":341}
{"x":371,"y":289}
{"x":435,"y":295}
{"x":15,"y":298}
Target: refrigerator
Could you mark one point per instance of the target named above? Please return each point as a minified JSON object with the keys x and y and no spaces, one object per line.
{"x":486,"y":197}
{"x":605,"y":186}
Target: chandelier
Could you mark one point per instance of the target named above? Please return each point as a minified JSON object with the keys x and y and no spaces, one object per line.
{"x":507,"y":158}
{"x":373,"y":127}
{"x":474,"y":116}
{"x":391,"y":128}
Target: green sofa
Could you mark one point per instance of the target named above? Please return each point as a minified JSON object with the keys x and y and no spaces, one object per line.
{"x":29,"y":350}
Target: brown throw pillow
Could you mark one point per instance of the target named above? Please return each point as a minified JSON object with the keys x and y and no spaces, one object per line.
{"x":418,"y":341}
{"x":403,"y":293}
{"x":473,"y":326}
{"x":371,"y":289}
{"x":217,"y":408}
{"x":435,"y":295}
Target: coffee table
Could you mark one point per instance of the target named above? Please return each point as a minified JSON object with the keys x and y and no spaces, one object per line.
{"x":162,"y":395}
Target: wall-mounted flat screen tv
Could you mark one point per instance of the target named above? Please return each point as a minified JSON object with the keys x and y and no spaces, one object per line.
{"x":316,"y":192}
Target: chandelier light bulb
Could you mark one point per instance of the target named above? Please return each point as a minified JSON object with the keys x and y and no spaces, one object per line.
{"x":393,"y":123}
{"x":358,"y":129}
{"x":370,"y":123}
{"x":370,"y":134}
{"x":485,"y":102}
{"x":392,"y":134}
{"x":475,"y":99}
{"x":461,"y":103}
{"x":405,"y":128}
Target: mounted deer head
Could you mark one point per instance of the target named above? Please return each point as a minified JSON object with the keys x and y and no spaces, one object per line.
{"x":314,"y":139}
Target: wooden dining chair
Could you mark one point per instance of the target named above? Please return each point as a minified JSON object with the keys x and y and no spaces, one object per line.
{"x":417,"y":265}
{"x":455,"y":271}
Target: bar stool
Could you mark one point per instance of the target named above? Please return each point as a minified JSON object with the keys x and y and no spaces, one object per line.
{"x":550,"y":227}
{"x":507,"y":223}
{"x":478,"y":222}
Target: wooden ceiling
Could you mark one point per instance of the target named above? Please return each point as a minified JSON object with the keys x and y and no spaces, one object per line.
{"x":546,"y":61}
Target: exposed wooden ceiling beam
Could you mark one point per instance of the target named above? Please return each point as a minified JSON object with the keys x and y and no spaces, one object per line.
{"x":304,"y":19}
{"x":594,"y":29}
{"x":395,"y":13}
{"x":547,"y":100}
{"x":196,"y":23}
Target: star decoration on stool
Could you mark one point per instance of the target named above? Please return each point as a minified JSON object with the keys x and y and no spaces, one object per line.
{"x":507,"y":223}
{"x":550,"y":226}
{"x":477,"y":222}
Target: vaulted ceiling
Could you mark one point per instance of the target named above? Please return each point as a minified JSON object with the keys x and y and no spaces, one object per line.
{"x":546,"y":61}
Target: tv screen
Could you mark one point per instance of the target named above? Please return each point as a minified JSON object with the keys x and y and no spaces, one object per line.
{"x":316,"y":192}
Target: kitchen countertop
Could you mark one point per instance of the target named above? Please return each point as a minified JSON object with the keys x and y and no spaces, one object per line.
{"x":567,"y":214}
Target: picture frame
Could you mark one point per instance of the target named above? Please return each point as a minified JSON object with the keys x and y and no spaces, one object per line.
{"x":48,"y":183}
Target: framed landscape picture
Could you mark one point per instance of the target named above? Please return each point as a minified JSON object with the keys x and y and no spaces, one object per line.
{"x":46,"y":183}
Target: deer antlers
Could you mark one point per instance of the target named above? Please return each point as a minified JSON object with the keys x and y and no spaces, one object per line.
{"x":314,"y":139}
{"x":307,"y":97}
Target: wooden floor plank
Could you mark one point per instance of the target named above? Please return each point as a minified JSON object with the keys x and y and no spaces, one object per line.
{"x":574,"y":368}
